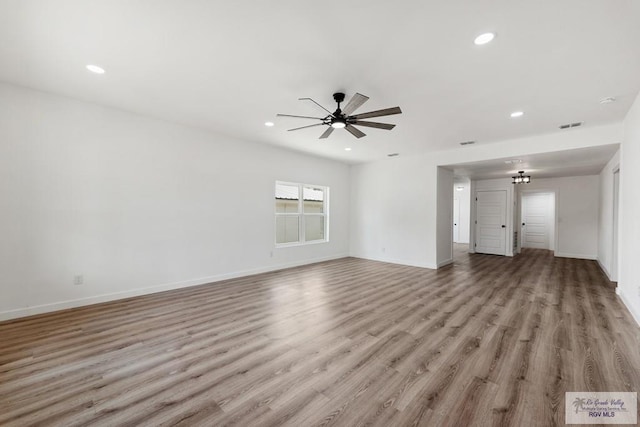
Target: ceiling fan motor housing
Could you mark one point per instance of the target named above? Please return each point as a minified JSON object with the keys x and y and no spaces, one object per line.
{"x":338,"y":97}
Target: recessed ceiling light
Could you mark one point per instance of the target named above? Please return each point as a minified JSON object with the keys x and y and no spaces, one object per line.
{"x":268,"y":124}
{"x":607,"y":100}
{"x":347,"y":149}
{"x":517,"y":114}
{"x":484,"y":38}
{"x":513,"y":161}
{"x":95,"y":69}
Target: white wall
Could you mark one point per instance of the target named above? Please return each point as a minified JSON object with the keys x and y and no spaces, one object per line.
{"x":464,"y":202}
{"x":381,"y":192}
{"x":577,"y":214}
{"x":629,"y":274}
{"x":576,"y":233}
{"x":392,"y":211}
{"x":137,"y":205}
{"x":605,"y":216}
{"x":444,"y":249}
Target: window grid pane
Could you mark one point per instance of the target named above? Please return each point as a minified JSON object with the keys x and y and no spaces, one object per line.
{"x":313,"y":198}
{"x":287,"y":198}
{"x":287,"y":228}
{"x":314,"y":227}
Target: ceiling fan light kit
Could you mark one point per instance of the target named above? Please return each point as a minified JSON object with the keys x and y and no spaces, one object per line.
{"x":344,"y":118}
{"x":338,"y":123}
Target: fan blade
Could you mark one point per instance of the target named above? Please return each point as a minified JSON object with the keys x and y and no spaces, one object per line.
{"x":354,"y":103}
{"x":378,"y":113}
{"x":304,"y":127}
{"x":309,"y":99}
{"x":355,"y":132}
{"x":386,"y":126}
{"x":326,"y":133}
{"x":300,"y":117}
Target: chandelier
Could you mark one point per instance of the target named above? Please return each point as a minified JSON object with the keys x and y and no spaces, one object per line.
{"x":521,"y":178}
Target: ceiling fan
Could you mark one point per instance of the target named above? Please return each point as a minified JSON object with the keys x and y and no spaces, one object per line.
{"x":343,"y":118}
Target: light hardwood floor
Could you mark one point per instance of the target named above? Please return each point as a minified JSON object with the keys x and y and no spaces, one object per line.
{"x":487,"y":341}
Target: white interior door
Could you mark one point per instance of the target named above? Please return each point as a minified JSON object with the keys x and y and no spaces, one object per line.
{"x":456,"y":220}
{"x":537,"y":217}
{"x":491,"y":217}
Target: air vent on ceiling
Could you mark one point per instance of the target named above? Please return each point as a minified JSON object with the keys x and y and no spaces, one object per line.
{"x":571,"y":125}
{"x":393,"y":154}
{"x":467,"y":142}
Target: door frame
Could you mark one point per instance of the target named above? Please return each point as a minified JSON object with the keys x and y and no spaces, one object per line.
{"x":490,"y":185}
{"x":553,"y":191}
{"x":615,"y":227}
{"x":456,"y":225}
{"x":506,"y":219}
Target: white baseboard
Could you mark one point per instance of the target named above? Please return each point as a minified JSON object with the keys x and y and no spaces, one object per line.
{"x":96,"y":299}
{"x":397,"y":261}
{"x":577,"y":256}
{"x":625,"y":301}
{"x":445,"y":263}
{"x":604,"y":270}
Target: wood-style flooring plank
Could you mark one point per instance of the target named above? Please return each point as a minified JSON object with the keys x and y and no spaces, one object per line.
{"x":486,"y":341}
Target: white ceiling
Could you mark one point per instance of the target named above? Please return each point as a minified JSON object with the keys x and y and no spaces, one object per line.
{"x":578,"y":162}
{"x":230,"y":66}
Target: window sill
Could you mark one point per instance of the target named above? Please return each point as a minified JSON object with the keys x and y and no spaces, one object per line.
{"x":291,"y":245}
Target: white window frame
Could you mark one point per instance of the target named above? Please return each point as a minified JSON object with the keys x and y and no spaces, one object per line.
{"x":301,"y":215}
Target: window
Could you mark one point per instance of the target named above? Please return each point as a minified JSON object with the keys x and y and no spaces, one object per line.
{"x":301,"y":213}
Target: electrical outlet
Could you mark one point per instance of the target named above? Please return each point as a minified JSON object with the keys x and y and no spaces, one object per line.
{"x":384,"y":249}
{"x":78,"y":280}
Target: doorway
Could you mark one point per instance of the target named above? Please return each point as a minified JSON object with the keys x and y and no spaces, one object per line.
{"x":461,"y":217}
{"x":538,"y":220}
